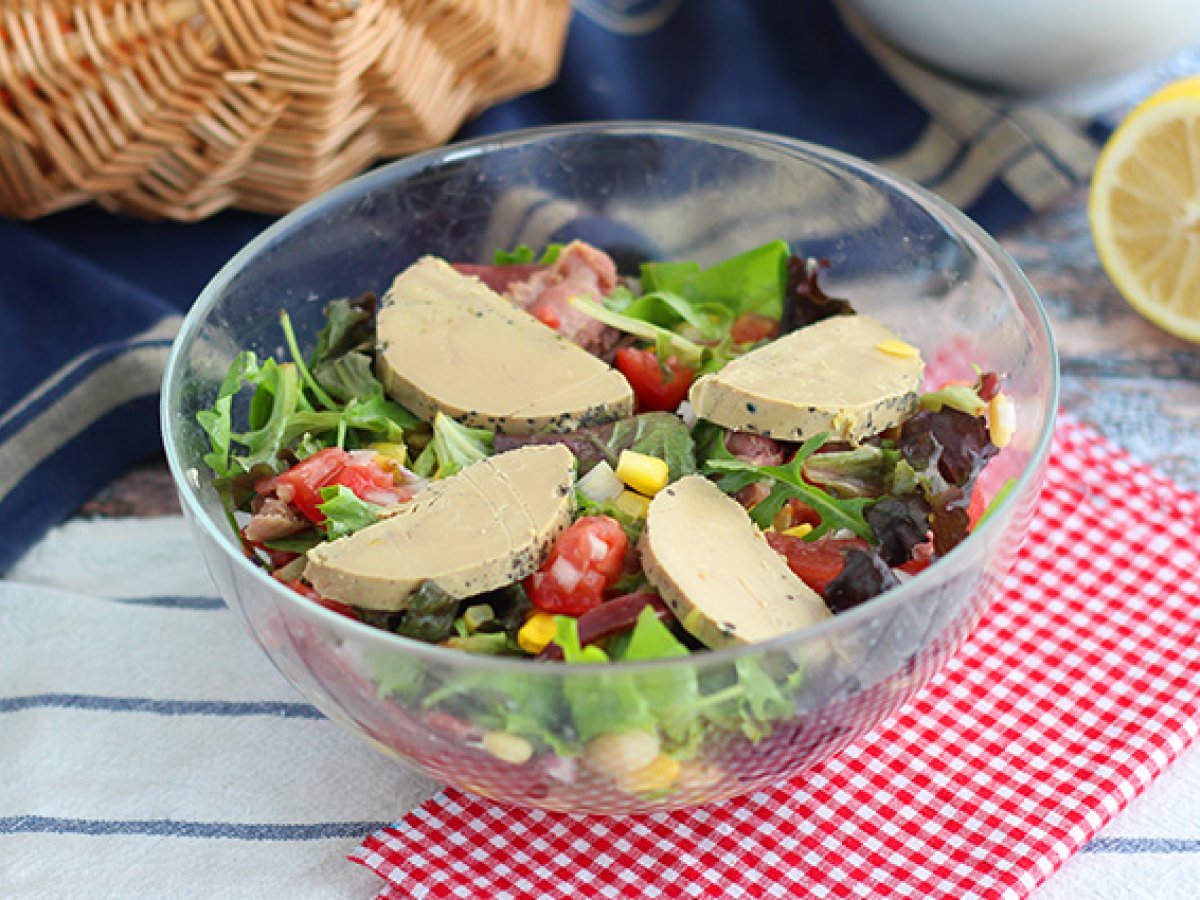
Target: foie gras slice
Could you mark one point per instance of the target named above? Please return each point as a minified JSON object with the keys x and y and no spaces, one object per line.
{"x":850,"y":376}
{"x":717,"y":572}
{"x":448,"y":342}
{"x":488,"y":526}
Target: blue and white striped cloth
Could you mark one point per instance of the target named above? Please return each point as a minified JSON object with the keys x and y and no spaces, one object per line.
{"x":149,"y":750}
{"x":89,"y":302}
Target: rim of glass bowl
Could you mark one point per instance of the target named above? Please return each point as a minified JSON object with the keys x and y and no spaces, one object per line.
{"x":981,"y":242}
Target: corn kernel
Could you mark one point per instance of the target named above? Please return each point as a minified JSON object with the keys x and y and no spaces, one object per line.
{"x":893,"y":347}
{"x":659,"y":774}
{"x":619,"y":753}
{"x":536,"y":633}
{"x":632,"y":504}
{"x":799,"y":530}
{"x":393,"y":454}
{"x":645,"y":474}
{"x":511,"y":748}
{"x":1001,"y":420}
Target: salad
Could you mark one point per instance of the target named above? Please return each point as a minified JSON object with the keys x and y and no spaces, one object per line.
{"x":543,"y":458}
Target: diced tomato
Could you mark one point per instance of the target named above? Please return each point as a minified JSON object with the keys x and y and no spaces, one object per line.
{"x":750,"y":328}
{"x":586,"y":560}
{"x":307,"y":477}
{"x":796,"y":512}
{"x":362,"y":474}
{"x":306,"y":590}
{"x":278,"y":558}
{"x":816,"y":563}
{"x":369,"y":480}
{"x":652,"y":391}
{"x":549,"y":317}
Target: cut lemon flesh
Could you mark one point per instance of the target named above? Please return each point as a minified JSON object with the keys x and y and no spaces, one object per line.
{"x":1144,"y":208}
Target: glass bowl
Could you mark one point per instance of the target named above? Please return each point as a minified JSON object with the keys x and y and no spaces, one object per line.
{"x":742,"y":717}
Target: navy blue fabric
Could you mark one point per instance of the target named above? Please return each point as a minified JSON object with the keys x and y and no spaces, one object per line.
{"x":76,"y":286}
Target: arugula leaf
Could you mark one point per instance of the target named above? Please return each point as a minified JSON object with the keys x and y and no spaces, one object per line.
{"x":277,"y":397}
{"x":789,"y":482}
{"x":344,"y":512}
{"x":334,"y":399}
{"x":452,"y":448}
{"x":289,"y":336}
{"x":217,"y":421}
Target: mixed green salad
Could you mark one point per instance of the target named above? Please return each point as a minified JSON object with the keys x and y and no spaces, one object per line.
{"x":691,"y":424}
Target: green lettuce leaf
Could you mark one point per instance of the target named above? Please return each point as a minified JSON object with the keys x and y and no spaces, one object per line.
{"x":754,"y":281}
{"x":604,"y":702}
{"x":217,"y":421}
{"x":452,"y":448}
{"x":345,"y":513}
{"x":670,"y":695}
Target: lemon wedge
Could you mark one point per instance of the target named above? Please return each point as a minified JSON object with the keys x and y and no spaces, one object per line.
{"x":1144,"y":208}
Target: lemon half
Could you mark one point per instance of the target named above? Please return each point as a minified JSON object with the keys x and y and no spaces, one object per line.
{"x":1144,"y":208}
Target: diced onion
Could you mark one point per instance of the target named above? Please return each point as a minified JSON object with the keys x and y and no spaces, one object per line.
{"x":565,"y":574}
{"x":599,"y":549}
{"x":687,"y":413}
{"x":600,"y":485}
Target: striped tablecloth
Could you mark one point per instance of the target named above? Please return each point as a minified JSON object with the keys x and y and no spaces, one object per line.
{"x":148,"y":749}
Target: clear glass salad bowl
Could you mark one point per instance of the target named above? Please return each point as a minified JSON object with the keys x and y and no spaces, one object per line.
{"x":512,"y":729}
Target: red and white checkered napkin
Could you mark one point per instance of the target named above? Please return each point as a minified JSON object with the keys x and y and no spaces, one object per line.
{"x":1080,"y":686}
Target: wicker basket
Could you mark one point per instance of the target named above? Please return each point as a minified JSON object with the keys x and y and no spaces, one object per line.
{"x":180,"y":108}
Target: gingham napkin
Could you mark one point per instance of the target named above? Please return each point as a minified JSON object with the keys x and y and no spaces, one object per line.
{"x":1081,"y":685}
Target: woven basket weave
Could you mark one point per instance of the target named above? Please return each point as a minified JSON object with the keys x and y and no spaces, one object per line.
{"x":180,"y":108}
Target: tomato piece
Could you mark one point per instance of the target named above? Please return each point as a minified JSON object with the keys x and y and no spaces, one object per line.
{"x":751,"y":327}
{"x":367,"y":479}
{"x":307,"y":477}
{"x":796,"y":512}
{"x":652,"y":391}
{"x":549,"y":317}
{"x":309,"y":592}
{"x":586,"y":560}
{"x":373,"y":483}
{"x":816,"y":563}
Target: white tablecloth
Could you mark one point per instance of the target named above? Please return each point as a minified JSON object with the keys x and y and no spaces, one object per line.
{"x":149,"y":749}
